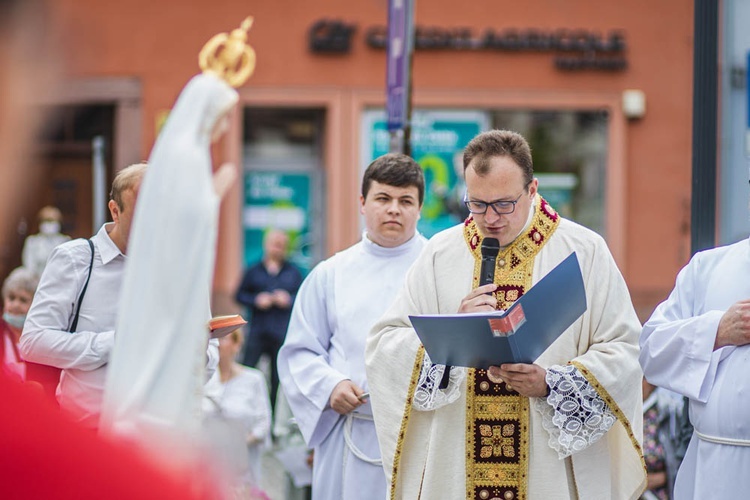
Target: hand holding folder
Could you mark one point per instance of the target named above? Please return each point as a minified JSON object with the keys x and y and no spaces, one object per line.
{"x":519,"y":335}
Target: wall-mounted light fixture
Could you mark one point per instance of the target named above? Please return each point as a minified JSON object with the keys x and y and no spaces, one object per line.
{"x":634,"y":103}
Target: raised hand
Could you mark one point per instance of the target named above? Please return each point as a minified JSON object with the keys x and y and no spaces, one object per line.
{"x":223,"y":179}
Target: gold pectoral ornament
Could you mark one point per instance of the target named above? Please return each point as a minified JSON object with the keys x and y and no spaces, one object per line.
{"x":228,"y":56}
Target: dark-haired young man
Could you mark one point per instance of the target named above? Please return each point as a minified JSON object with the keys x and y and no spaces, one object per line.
{"x":321,"y":364}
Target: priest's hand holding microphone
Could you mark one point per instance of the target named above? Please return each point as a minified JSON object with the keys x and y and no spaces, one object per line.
{"x":526,"y":379}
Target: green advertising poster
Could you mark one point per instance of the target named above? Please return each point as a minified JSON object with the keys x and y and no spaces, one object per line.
{"x":277,"y":200}
{"x":438,"y":140}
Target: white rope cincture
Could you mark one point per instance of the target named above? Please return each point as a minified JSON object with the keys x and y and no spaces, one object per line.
{"x":722,"y":440}
{"x":348,"y":438}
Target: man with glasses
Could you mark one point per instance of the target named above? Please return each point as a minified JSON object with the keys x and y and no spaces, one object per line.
{"x":567,"y":426}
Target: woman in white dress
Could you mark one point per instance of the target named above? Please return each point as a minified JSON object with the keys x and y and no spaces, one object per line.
{"x":239,"y":394}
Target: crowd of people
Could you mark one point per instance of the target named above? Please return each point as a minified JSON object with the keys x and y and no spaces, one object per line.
{"x":611,"y":409}
{"x":369,"y":403}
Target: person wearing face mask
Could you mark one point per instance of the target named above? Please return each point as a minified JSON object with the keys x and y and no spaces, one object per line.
{"x":568,"y":425}
{"x":18,"y":291}
{"x":37,"y":247}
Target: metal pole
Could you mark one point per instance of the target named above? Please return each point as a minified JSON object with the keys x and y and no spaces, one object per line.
{"x":398,"y":74}
{"x":99,"y":182}
{"x":705,"y":97}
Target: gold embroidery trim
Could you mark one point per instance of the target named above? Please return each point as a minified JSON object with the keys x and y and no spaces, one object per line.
{"x":612,"y":406}
{"x":513,"y":272}
{"x":405,"y":420}
{"x":487,"y":477}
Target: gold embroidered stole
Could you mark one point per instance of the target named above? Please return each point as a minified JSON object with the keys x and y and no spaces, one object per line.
{"x":497,"y":417}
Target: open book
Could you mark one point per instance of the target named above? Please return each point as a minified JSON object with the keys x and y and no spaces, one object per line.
{"x":518,"y":335}
{"x":221,"y":326}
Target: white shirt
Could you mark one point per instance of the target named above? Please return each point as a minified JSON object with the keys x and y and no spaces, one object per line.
{"x":82,"y":355}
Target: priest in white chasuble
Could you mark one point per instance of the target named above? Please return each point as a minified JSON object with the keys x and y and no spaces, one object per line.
{"x":321,"y":364}
{"x":567,"y":426}
{"x":158,"y":366}
{"x":697,"y":343}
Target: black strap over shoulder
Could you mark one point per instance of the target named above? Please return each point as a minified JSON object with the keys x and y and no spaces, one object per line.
{"x":83,"y":292}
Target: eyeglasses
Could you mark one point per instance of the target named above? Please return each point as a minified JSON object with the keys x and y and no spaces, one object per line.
{"x":501,"y":207}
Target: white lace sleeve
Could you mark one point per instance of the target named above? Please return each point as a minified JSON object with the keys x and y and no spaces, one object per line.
{"x":573,"y":413}
{"x":428,"y":396}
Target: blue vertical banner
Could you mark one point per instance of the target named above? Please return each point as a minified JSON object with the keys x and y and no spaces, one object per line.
{"x":400,"y":45}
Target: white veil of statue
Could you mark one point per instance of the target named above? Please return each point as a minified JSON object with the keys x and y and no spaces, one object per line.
{"x":156,"y":372}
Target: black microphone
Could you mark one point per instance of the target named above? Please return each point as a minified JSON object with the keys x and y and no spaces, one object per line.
{"x":490,"y":249}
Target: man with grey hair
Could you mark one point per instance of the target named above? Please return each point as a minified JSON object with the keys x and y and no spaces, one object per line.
{"x":71,"y":323}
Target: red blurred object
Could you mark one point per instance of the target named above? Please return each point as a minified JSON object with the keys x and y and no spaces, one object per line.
{"x":47,"y":376}
{"x":46,"y":456}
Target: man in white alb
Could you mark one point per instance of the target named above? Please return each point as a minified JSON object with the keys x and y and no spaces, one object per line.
{"x":321,"y":364}
{"x":697,"y":343}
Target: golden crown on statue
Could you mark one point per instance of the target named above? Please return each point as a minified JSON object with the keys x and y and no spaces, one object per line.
{"x":228,"y":56}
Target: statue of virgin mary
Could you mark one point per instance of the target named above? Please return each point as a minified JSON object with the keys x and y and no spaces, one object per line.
{"x":158,"y":364}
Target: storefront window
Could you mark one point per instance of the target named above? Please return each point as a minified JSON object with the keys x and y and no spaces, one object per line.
{"x":283,"y":179}
{"x":438,"y":140}
{"x":570,"y":157}
{"x":569,"y":150}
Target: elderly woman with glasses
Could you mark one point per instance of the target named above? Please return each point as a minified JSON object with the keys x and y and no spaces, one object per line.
{"x":18,"y":291}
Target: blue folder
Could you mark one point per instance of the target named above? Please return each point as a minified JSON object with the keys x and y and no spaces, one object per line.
{"x":519,"y":335}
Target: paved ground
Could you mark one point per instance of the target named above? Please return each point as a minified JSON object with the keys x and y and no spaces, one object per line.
{"x":275,"y":481}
